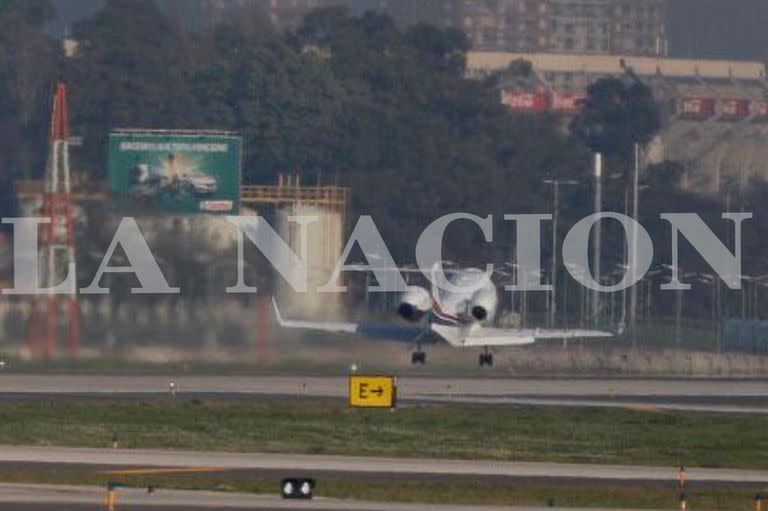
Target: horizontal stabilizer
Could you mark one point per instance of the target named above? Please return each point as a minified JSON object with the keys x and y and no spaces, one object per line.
{"x":572,"y":334}
{"x":321,"y":326}
{"x":368,"y":330}
{"x":520,"y":337}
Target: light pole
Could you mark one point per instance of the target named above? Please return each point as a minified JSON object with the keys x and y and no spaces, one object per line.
{"x":556,"y":183}
{"x":522,"y":274}
{"x":579,"y":273}
{"x":759,"y":281}
{"x":598,"y":234}
{"x":746,"y":279}
{"x":635,"y":216}
{"x":679,"y":301}
{"x":710,"y":279}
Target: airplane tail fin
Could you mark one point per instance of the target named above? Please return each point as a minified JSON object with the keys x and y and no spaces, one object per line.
{"x":277,"y":315}
{"x":320,"y":326}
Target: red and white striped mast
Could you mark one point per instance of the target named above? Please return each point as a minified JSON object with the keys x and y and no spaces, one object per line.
{"x":57,"y":242}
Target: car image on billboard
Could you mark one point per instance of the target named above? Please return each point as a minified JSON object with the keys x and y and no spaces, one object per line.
{"x":180,"y":173}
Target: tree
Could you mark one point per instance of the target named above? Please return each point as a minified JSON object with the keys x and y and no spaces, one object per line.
{"x":9,"y":204}
{"x":416,"y":139}
{"x":34,"y":13}
{"x":387,"y":112}
{"x":132,"y":71}
{"x":444,"y":48}
{"x":28,"y":64}
{"x":615,"y":116}
{"x":666,"y":174}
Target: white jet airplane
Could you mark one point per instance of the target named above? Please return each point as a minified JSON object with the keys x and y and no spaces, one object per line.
{"x":461,"y":319}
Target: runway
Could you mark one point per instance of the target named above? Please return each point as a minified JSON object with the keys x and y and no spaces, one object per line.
{"x":717,"y":396}
{"x":312,"y":464}
{"x":22,"y":497}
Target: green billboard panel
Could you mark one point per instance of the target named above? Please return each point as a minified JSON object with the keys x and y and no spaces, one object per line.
{"x":177,"y":172}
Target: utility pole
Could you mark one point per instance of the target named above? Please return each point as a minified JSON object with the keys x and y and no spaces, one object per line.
{"x":555,"y":227}
{"x":597,"y":246}
{"x":636,"y":217}
{"x":625,"y":258}
{"x":679,"y":318}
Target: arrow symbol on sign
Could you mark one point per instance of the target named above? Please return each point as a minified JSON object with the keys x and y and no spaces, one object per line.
{"x":378,"y":391}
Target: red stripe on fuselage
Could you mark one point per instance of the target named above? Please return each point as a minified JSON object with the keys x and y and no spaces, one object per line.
{"x":437,"y":308}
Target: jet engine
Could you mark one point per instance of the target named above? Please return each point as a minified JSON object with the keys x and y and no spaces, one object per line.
{"x":415,"y":302}
{"x":483,"y":304}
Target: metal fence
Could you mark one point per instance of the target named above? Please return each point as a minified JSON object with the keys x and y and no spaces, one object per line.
{"x":745,"y":336}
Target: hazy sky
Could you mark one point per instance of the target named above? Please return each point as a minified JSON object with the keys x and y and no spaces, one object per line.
{"x":736,"y":29}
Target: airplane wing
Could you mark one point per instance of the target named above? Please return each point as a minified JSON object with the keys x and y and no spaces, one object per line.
{"x":477,"y":336}
{"x":369,"y":330}
{"x":543,"y":334}
{"x":483,"y":336}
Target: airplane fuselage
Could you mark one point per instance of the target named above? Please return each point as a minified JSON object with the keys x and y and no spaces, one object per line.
{"x":467,"y":301}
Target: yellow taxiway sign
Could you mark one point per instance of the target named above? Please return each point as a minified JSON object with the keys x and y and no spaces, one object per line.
{"x":372,"y":391}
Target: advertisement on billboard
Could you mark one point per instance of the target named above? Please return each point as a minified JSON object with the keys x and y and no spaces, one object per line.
{"x":177,"y":172}
{"x":733,"y":109}
{"x":568,"y":103}
{"x":526,"y":101}
{"x":697,"y":108}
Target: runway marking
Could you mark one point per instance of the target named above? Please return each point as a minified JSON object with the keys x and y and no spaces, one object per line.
{"x":155,"y":471}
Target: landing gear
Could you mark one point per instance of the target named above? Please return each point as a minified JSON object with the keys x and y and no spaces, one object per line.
{"x":486,"y":358}
{"x":418,"y":357}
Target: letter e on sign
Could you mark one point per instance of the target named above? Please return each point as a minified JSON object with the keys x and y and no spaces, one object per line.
{"x":372,"y":391}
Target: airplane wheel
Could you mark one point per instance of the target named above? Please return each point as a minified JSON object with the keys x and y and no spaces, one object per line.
{"x":486,"y":359}
{"x":418,"y":358}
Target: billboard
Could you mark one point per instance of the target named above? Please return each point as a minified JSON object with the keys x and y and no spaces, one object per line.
{"x":568,"y":103}
{"x":733,"y":109}
{"x":177,"y":172}
{"x":525,"y":101}
{"x":697,"y":108}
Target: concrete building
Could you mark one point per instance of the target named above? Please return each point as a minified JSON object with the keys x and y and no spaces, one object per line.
{"x":608,"y":26}
{"x":716,"y":111}
{"x":524,"y":25}
{"x":639,"y":28}
{"x":439,"y":13}
{"x":630,"y":27}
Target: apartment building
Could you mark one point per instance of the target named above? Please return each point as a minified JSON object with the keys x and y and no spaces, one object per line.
{"x":628,"y":27}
